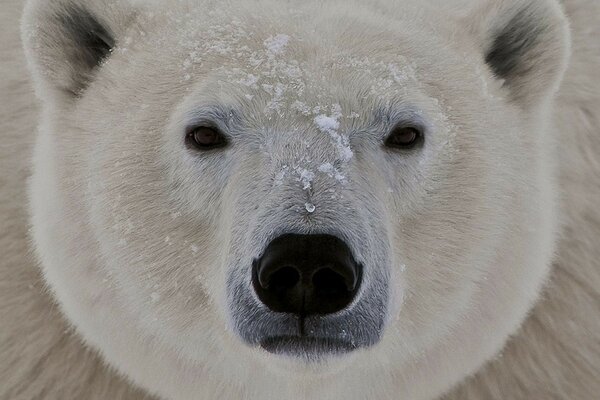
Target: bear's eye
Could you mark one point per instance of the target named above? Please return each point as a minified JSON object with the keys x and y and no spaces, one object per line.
{"x":205,"y":138}
{"x":404,"y":137}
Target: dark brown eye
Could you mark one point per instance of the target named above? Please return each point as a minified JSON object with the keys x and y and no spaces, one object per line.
{"x":205,"y":138}
{"x":404,"y":137}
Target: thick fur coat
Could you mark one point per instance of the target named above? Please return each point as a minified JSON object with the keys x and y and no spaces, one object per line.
{"x":122,"y":251}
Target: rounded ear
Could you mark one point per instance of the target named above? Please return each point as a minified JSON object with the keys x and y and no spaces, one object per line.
{"x":526,"y":43}
{"x":66,"y":41}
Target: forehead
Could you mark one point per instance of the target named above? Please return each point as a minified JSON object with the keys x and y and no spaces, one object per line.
{"x":286,"y":61}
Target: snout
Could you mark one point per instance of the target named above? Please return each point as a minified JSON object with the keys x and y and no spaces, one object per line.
{"x":306,"y":275}
{"x":310,"y":296}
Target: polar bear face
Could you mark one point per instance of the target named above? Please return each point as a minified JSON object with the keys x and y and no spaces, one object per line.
{"x":193,"y":160}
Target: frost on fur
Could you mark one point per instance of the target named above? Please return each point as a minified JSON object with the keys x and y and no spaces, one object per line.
{"x":147,"y":247}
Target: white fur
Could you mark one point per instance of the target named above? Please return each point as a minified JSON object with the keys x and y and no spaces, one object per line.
{"x":136,"y":235}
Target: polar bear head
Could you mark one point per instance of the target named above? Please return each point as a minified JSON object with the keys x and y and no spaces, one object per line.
{"x":298,"y":186}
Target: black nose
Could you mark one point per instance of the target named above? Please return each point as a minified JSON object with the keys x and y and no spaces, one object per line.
{"x":306,"y":274}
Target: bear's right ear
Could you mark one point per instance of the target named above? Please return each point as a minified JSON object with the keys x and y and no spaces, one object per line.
{"x":66,"y":41}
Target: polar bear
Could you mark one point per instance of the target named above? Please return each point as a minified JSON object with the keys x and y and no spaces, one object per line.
{"x":263,"y":199}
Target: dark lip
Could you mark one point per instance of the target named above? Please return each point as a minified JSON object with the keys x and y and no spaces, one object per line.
{"x":306,"y":346}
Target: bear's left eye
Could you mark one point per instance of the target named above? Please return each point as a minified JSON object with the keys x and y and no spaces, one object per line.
{"x":205,"y":138}
{"x":404,"y":137}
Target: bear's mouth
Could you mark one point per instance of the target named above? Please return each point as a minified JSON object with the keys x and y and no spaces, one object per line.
{"x":291,"y":308}
{"x":306,"y":346}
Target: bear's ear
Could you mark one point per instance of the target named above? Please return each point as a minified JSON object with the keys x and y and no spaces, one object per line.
{"x":66,"y":41}
{"x":525,"y":43}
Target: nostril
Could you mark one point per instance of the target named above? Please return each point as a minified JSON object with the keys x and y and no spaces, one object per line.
{"x":328,"y":282}
{"x":283,"y":279}
{"x":306,"y":274}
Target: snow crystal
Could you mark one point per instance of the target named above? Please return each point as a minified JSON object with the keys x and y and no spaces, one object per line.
{"x":332,"y":172}
{"x":326,"y":168}
{"x":280,"y":175}
{"x":310,"y":207}
{"x":301,"y":107}
{"x":345,"y":151}
{"x":276,"y":44}
{"x":277,"y":92}
{"x":330,"y":124}
{"x":326,"y":123}
{"x":401,"y":75}
{"x":306,"y":177}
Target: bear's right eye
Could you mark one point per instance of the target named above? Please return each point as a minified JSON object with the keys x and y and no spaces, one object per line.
{"x":205,"y":138}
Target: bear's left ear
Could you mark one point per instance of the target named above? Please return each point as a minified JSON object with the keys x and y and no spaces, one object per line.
{"x":525,"y":43}
{"x":66,"y":41}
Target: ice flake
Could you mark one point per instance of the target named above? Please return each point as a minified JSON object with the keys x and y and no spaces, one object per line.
{"x":306,"y":177}
{"x":332,"y":172}
{"x":310,"y":207}
{"x":277,"y":44}
{"x":402,"y":75}
{"x":277,"y":92}
{"x":280,"y":175}
{"x":330,"y":124}
{"x":327,"y":124}
{"x":291,"y":70}
{"x":301,"y":107}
